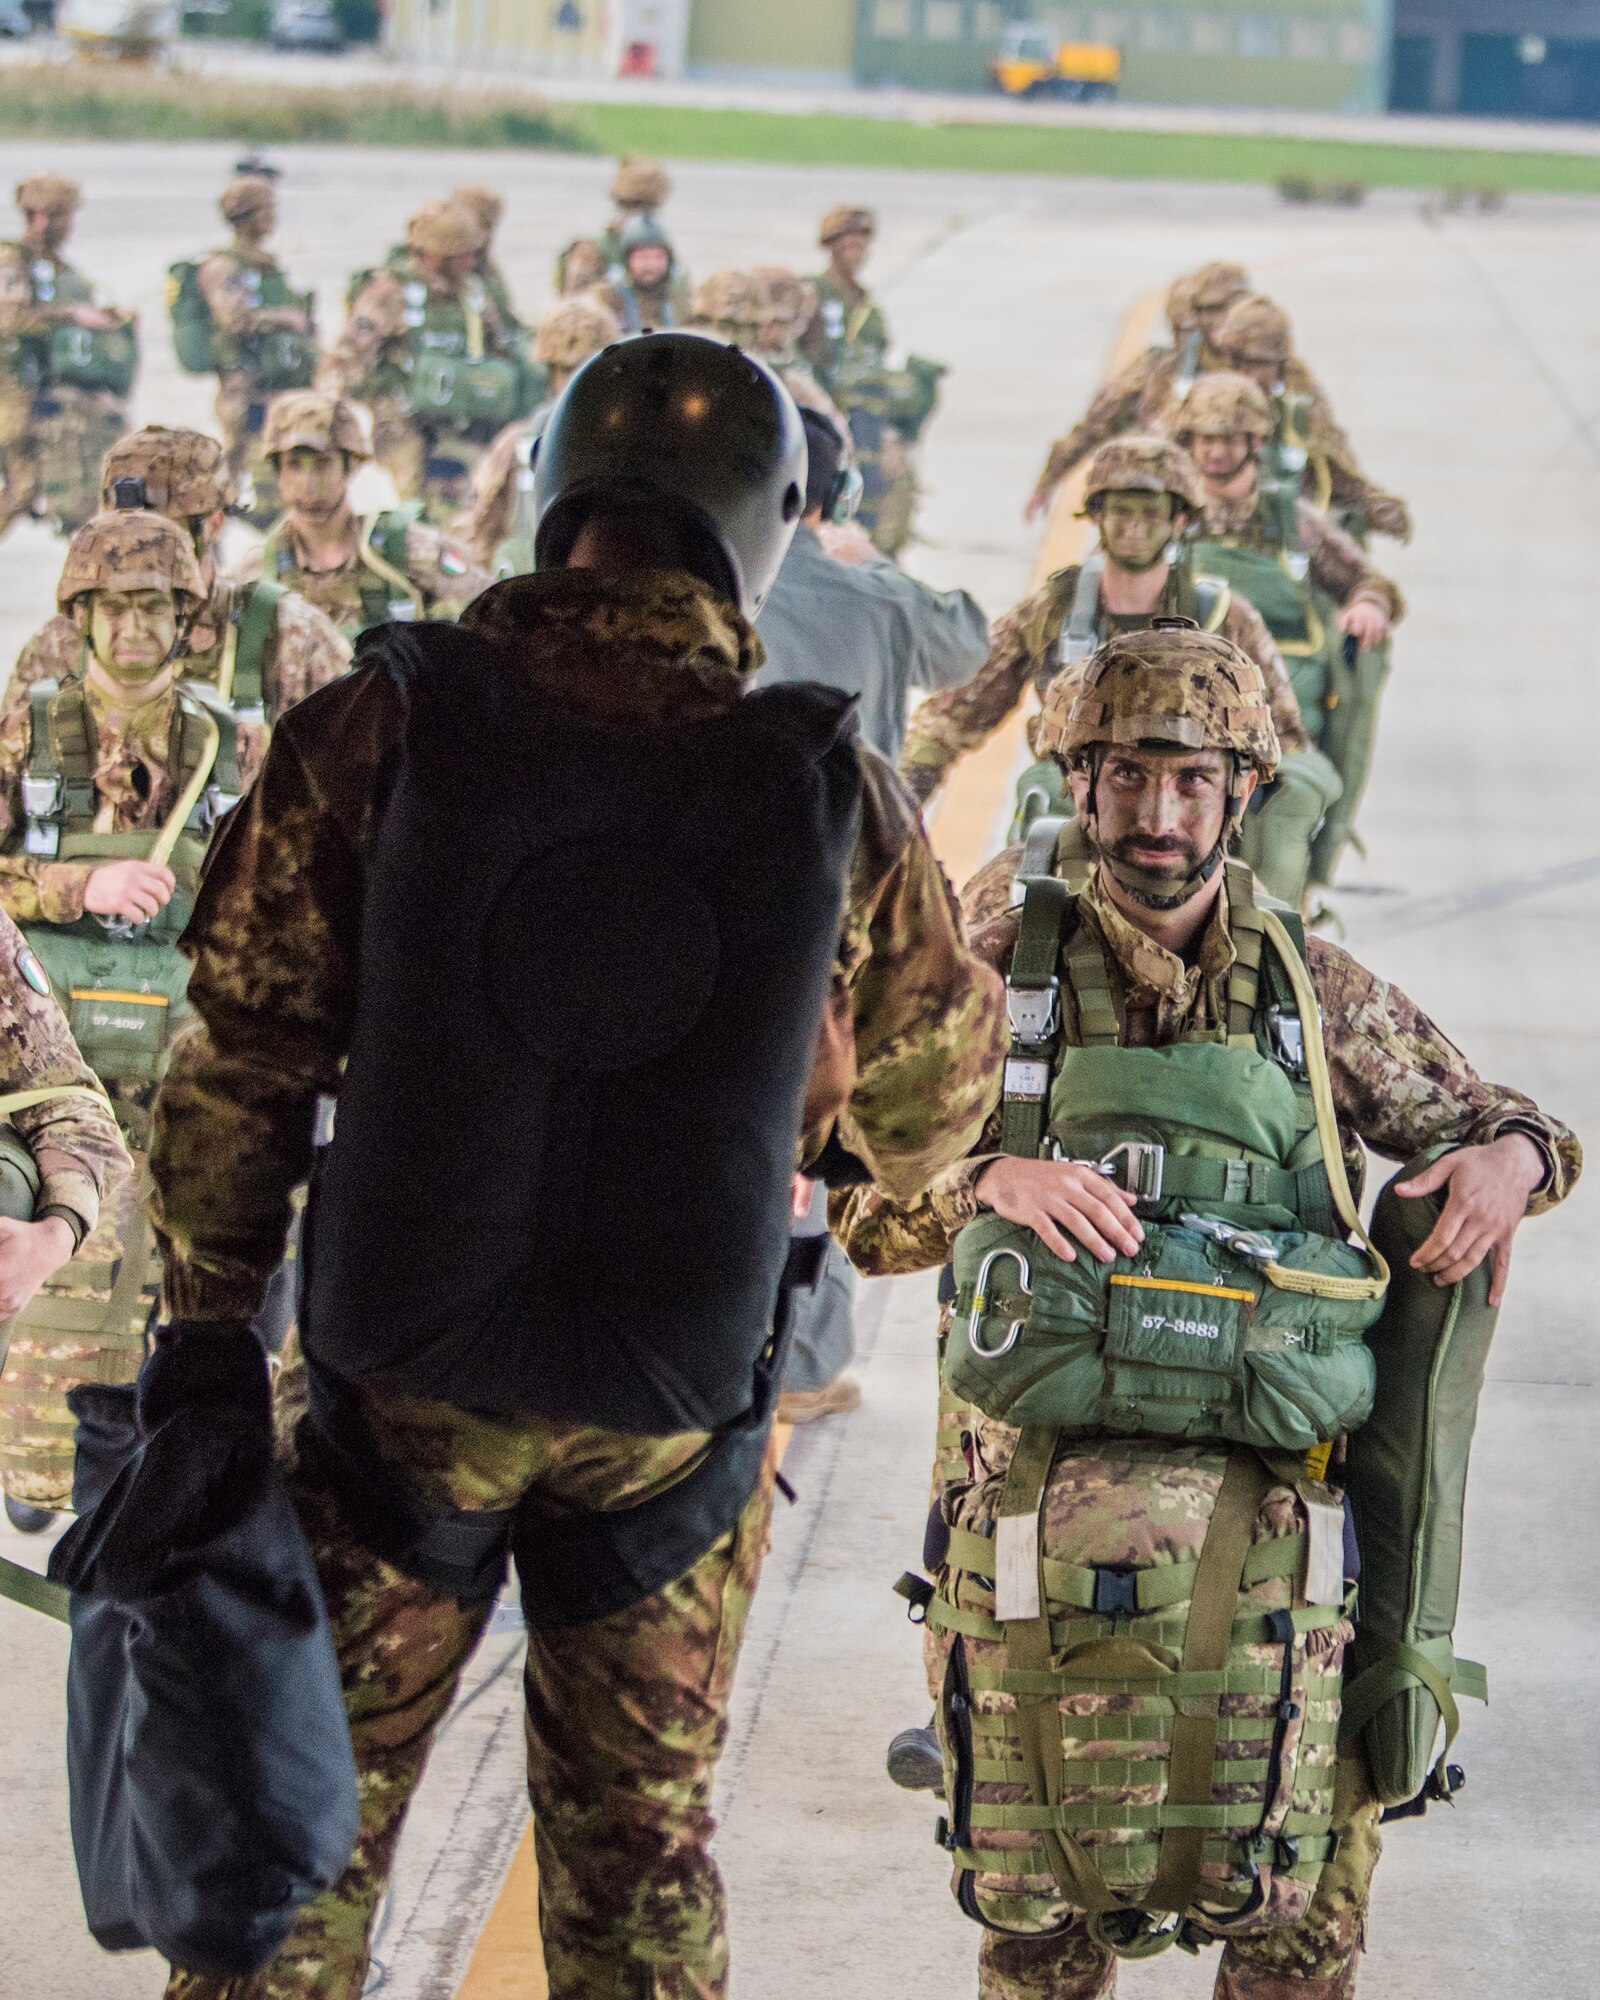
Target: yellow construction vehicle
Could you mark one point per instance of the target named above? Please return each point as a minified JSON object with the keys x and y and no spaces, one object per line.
{"x":1034,"y":62}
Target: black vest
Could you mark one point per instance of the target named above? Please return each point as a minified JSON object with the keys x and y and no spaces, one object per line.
{"x":594,"y":960}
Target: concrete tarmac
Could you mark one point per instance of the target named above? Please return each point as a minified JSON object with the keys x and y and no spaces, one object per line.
{"x":1462,"y":356}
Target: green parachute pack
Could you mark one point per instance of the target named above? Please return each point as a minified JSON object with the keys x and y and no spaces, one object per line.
{"x":275,"y":359}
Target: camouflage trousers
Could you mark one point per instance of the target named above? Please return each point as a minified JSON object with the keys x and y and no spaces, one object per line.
{"x":19,"y":454}
{"x":626,"y":1716}
{"x":1315,"y":1959}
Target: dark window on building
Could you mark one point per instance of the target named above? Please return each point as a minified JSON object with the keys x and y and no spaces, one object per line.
{"x":1411,"y":83}
{"x":1527,"y":76}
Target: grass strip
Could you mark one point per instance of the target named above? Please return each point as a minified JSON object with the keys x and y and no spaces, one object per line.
{"x":80,"y":102}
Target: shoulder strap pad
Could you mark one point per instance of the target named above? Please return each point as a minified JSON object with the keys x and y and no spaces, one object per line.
{"x":1033,"y":1006}
{"x":257,"y":619}
{"x":1213,"y":595}
{"x":197,"y":699}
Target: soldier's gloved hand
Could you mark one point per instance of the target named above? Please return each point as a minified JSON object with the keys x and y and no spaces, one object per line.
{"x":204,"y":1416}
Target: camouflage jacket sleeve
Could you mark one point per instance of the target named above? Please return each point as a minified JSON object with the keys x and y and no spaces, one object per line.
{"x":1325,"y":437}
{"x":54,"y":653}
{"x":485,"y":524}
{"x":376,"y":315}
{"x":306,"y":651}
{"x":958,"y":719}
{"x":1401,"y":1086}
{"x":226,"y":298}
{"x":31,"y":889}
{"x":908,"y":1064}
{"x":19,"y":314}
{"x":1246,"y":627}
{"x":442,"y":570}
{"x":274,"y":942}
{"x":1339,"y":567}
{"x":1113,"y":409}
{"x":75,"y":1142}
{"x":883,"y":1233}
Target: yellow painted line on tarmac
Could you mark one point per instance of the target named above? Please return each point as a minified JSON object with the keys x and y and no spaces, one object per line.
{"x":961,"y":825}
{"x":507,"y":1963}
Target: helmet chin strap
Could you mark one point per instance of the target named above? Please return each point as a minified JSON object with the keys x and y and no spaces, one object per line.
{"x":1153,"y":891}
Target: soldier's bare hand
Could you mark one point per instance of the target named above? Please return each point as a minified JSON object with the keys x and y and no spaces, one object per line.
{"x":1366,"y":622}
{"x":95,"y":318}
{"x":29,"y":1252}
{"x":1488,"y":1189}
{"x":291,"y":317}
{"x":1055,"y":1196}
{"x":132,"y":889}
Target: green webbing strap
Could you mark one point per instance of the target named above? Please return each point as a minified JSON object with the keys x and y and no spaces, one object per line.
{"x":1156,"y":1588}
{"x":42,"y":760}
{"x":1030,"y":1647}
{"x":1399,"y":1668}
{"x":1034,"y":1006}
{"x":257,"y":619}
{"x":1098,"y":1027}
{"x":1247,"y":930}
{"x":36,"y":1593}
{"x":1074,"y":857}
{"x":1206,"y":1646}
{"x":1254,"y":1628}
{"x":59,"y":748}
{"x":1039,"y":847}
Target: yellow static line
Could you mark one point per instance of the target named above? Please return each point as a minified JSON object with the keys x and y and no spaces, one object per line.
{"x":507,"y":1963}
{"x":961,"y":824}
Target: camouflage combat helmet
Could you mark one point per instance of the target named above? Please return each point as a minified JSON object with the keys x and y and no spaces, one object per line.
{"x":846,"y":220}
{"x":313,"y":420}
{"x":640,"y":182}
{"x":729,"y":303}
{"x":570,"y":332}
{"x":51,"y":194}
{"x":1168,"y":686}
{"x":250,"y":196}
{"x":177,"y":473}
{"x":482,"y":202}
{"x":642,"y":232}
{"x":131,"y":551}
{"x":786,"y":300}
{"x":1223,"y":405}
{"x":442,"y":229}
{"x":1143,"y":465}
{"x":580,"y":265}
{"x":1210,"y":289}
{"x":1254,"y":329}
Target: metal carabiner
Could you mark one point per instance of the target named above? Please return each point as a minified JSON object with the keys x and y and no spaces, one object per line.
{"x":980,"y":1303}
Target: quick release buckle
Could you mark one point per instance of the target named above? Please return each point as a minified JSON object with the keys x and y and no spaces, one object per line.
{"x":1287,"y":1034}
{"x":41,"y":796}
{"x":1116,"y":1590}
{"x":1034,"y":1011}
{"x":1143,"y":1167}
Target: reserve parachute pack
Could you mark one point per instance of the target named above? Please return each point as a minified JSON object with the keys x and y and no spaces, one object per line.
{"x":1242,"y":1315}
{"x":276,"y":359}
{"x":93,"y":359}
{"x":122,"y":985}
{"x":446,"y":378}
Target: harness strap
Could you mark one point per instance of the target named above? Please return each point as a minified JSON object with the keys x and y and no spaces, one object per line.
{"x":381,"y":560}
{"x":1427,"y":1663}
{"x":1188,"y":363}
{"x":1025,"y":1613}
{"x":1213,"y":599}
{"x":1207,"y":1641}
{"x":1081,"y":633}
{"x":206,"y":744}
{"x":1098,"y":1026}
{"x":250,"y":629}
{"x":1033,"y":1004}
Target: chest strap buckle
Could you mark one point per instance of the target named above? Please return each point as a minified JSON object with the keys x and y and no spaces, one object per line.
{"x":1143,"y":1167}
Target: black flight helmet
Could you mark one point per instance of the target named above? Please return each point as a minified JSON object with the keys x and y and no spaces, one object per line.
{"x":687,"y":424}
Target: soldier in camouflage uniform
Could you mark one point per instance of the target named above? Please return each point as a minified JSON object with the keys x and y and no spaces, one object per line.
{"x":1138,"y":396}
{"x":250,"y":299}
{"x":430,"y":304}
{"x":81,"y":1160}
{"x":502,"y":486}
{"x":639,"y":186}
{"x":728,"y":304}
{"x":581,"y":268}
{"x":286,"y":650}
{"x":645,"y":287}
{"x":357,"y":571}
{"x":1157,"y":909}
{"x":489,"y":208}
{"x":789,"y":305}
{"x":627,"y":1710}
{"x":52,"y":430}
{"x":1254,"y":338}
{"x":113,"y":754}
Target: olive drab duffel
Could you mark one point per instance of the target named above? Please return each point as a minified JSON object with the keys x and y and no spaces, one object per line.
{"x":1406,"y":1475}
{"x":1140,"y":1701}
{"x":1242,"y":1314}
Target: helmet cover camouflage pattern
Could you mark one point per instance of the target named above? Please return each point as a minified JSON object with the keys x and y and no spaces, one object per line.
{"x":580,"y":265}
{"x":481,"y":202}
{"x":1135,"y":464}
{"x":569,"y":333}
{"x":640,"y":182}
{"x":790,"y":300}
{"x":1254,"y":328}
{"x":729,"y":300}
{"x":53,"y":194}
{"x":313,"y":420}
{"x":1170,"y":685}
{"x":250,"y":195}
{"x":441,"y":229}
{"x":181,"y":473}
{"x":1223,"y":405}
{"x":1206,"y":290}
{"x":130,"y":551}
{"x":846,"y":221}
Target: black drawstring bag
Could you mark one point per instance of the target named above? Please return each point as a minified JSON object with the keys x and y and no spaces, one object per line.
{"x":213,"y":1790}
